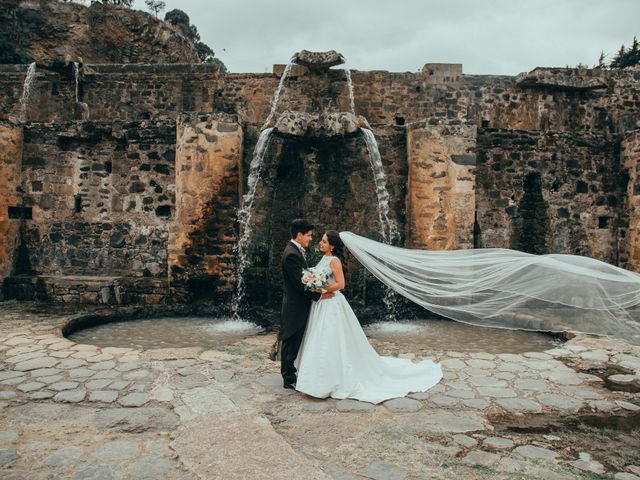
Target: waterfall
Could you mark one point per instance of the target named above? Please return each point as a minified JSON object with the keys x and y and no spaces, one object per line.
{"x":244,"y":217}
{"x":352,"y":105}
{"x":26,"y":88}
{"x":388,"y":228}
{"x":276,"y":95}
{"x":76,"y":74}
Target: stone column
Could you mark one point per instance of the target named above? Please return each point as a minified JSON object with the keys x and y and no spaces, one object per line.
{"x":208,"y":176}
{"x":440,"y":197}
{"x":10,"y":171}
{"x":630,"y":240}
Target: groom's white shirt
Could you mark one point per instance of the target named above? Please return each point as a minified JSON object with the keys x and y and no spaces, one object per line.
{"x":300,"y":247}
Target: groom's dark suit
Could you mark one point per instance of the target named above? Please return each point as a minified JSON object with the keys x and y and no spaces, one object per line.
{"x":296,"y":304}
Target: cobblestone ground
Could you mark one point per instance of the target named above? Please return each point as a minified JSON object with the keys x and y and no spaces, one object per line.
{"x":78,"y":411}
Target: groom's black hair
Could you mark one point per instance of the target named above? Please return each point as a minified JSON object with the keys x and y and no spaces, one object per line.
{"x":300,"y":225}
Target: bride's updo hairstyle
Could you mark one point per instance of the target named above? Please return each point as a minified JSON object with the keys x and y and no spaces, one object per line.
{"x":336,"y":242}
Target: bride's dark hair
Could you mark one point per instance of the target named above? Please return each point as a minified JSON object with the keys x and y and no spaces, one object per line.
{"x":336,"y":242}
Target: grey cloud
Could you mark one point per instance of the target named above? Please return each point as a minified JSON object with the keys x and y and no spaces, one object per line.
{"x":492,"y":37}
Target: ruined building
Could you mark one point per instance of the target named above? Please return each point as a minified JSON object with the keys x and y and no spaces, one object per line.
{"x":121,"y":183}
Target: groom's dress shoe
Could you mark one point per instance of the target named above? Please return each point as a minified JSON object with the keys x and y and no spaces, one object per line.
{"x":290,"y":386}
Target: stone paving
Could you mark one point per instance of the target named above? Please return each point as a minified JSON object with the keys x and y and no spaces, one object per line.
{"x":79,"y":411}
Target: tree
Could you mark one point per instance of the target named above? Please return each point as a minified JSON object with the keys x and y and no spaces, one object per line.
{"x":618,"y":59}
{"x":156,"y":6}
{"x":219,"y":65}
{"x":601,"y":62}
{"x":627,"y":57}
{"x":204,"y":51}
{"x":181,"y":20}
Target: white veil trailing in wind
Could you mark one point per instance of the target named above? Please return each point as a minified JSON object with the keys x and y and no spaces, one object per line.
{"x":503,"y":288}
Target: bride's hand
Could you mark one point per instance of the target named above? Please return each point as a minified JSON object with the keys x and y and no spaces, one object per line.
{"x":324,"y":296}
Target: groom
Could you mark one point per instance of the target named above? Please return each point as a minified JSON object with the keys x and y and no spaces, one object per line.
{"x":296,"y":301}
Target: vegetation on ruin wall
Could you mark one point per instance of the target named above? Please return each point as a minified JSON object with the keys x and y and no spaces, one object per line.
{"x":625,"y":57}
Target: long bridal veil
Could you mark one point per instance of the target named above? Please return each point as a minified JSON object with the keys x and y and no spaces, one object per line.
{"x":504,"y":288}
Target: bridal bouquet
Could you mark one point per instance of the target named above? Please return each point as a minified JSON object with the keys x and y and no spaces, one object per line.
{"x":314,"y":279}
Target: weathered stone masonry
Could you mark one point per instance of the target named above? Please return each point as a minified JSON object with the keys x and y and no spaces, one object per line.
{"x":139,"y":180}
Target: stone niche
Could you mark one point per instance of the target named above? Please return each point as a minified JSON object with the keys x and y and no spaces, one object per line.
{"x":330,"y":182}
{"x":542,"y":192}
{"x":441,"y":197}
{"x":11,"y":204}
{"x":209,"y":150}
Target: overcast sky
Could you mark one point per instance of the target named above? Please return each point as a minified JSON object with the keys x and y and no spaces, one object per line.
{"x":487,"y":36}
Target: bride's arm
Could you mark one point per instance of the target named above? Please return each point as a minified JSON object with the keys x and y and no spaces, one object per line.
{"x":338,"y":274}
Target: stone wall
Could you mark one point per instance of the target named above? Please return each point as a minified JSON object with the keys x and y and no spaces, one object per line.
{"x":208,"y":182}
{"x":440,"y":197}
{"x":116,"y":190}
{"x":630,"y":231}
{"x":102,"y":195}
{"x":11,"y":205}
{"x":546,"y":192}
{"x":138,"y":92}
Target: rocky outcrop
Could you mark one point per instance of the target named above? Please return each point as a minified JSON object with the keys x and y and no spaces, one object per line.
{"x":563,"y":79}
{"x":52,"y":32}
{"x":318,"y":60}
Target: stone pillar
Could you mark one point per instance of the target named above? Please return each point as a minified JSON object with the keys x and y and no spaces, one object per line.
{"x":208,"y":176}
{"x":440,"y":197}
{"x":10,"y":171}
{"x":630,"y":237}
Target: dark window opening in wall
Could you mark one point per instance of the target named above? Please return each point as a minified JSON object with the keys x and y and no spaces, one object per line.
{"x":485,"y":123}
{"x":77,"y":203}
{"x":54,"y":88}
{"x":19,"y":212}
{"x":476,"y":231}
{"x":399,"y":120}
{"x":582,"y":187}
{"x":163,"y":211}
{"x":418,"y":88}
{"x":431,"y":71}
{"x":531,"y":222}
{"x":603,"y":222}
{"x":108,"y":167}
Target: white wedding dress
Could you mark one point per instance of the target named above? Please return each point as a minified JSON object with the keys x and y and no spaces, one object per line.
{"x":336,"y":359}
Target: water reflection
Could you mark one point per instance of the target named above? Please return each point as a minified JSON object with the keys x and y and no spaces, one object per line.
{"x":443,"y":335}
{"x":175,"y":332}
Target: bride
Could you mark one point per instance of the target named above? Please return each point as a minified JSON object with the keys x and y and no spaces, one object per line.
{"x":336,"y":359}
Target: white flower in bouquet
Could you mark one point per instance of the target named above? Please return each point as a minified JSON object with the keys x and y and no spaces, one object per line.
{"x":314,"y":279}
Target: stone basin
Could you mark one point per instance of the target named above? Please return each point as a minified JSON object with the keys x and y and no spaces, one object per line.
{"x":318,"y":60}
{"x":336,"y":124}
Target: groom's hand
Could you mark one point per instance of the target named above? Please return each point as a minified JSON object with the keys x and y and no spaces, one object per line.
{"x":324,"y":296}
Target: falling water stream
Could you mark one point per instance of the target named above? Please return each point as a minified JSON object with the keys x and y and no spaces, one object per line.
{"x":246,"y":205}
{"x":352,"y":105}
{"x":76,"y":74}
{"x":26,"y":89}
{"x":244,"y":218}
{"x":276,"y":95}
{"x":388,"y":228}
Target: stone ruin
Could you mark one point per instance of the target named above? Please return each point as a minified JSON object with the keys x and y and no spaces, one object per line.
{"x":121,"y":184}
